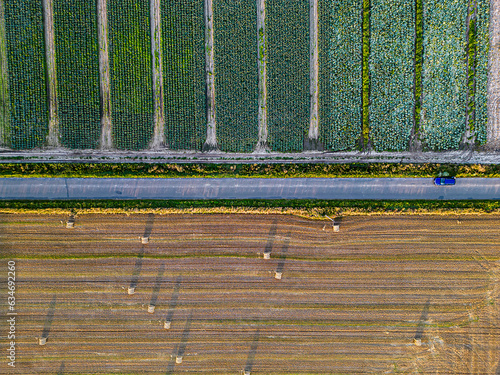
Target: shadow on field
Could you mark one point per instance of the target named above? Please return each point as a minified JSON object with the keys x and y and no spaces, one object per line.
{"x":423,"y":319}
{"x":137,"y":268}
{"x":156,"y":289}
{"x":253,"y":351}
{"x":149,"y":225}
{"x":271,"y":237}
{"x":284,"y":249}
{"x":173,"y":301}
{"x":181,"y":348}
{"x":185,"y":335}
{"x":171,"y":363}
{"x":49,"y":318}
{"x":61,"y":369}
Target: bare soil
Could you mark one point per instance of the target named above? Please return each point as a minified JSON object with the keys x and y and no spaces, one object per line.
{"x":348,"y":302}
{"x":55,"y":155}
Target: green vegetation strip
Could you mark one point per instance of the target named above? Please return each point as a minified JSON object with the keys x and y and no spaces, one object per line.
{"x":287,"y":32}
{"x":419,"y":55}
{"x":316,"y":208}
{"x":340,"y":28}
{"x":444,"y":73}
{"x":145,"y":170}
{"x":26,"y":71}
{"x":366,"y":73}
{"x":183,"y":51}
{"x":392,"y":45}
{"x":77,"y":59}
{"x":131,"y":73}
{"x":236,"y":74}
{"x":471,"y":62}
{"x":481,"y":71}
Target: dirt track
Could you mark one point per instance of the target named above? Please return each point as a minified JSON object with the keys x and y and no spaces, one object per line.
{"x":348,"y":302}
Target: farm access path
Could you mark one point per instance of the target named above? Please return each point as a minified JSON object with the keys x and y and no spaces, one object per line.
{"x":386,"y":294}
{"x":246,"y":188}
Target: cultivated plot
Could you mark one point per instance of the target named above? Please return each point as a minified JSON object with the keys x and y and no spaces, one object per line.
{"x":384,"y":294}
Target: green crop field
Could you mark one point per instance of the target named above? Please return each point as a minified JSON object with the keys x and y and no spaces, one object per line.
{"x":444,"y":73}
{"x":392,"y":70}
{"x":393,"y":75}
{"x":26,"y":69}
{"x":183,"y":72}
{"x":131,"y":73}
{"x":287,"y":32}
{"x":236,"y":74}
{"x":77,"y":62}
{"x":340,"y":45}
{"x":481,"y":71}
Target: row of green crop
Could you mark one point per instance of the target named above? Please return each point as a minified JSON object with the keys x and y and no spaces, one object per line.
{"x":481,"y":71}
{"x":340,"y":73}
{"x":183,"y":52}
{"x":26,"y":73}
{"x":392,"y":73}
{"x":236,"y":74}
{"x":130,"y":73}
{"x":77,"y":61}
{"x":444,"y":80}
{"x":4,"y":83}
{"x":287,"y":32}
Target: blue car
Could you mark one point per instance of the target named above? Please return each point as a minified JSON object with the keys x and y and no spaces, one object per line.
{"x":444,"y":181}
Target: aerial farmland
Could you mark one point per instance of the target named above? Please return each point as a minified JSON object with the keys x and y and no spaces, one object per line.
{"x":389,"y":263}
{"x":238,"y":78}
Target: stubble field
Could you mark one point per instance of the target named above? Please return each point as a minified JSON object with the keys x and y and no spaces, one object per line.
{"x":356,"y":301}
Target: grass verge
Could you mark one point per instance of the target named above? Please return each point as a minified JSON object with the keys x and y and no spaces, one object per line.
{"x":145,"y":170}
{"x":313,"y":209}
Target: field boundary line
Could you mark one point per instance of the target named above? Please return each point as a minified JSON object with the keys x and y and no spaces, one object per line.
{"x":50,"y":56}
{"x":493,"y":133}
{"x":106,"y":141}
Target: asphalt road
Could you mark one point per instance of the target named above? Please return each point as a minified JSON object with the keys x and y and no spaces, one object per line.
{"x":246,"y":188}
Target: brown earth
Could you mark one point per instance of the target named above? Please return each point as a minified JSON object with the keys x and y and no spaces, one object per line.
{"x":349,"y":302}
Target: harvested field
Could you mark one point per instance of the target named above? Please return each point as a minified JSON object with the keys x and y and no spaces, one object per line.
{"x":350,"y":302}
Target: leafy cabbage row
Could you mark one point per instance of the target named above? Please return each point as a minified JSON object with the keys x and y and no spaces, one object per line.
{"x":287,"y":32}
{"x":340,"y":73}
{"x":481,"y":74}
{"x":444,"y":74}
{"x":26,"y":73}
{"x":77,"y":61}
{"x":236,"y":74}
{"x":130,"y":73}
{"x":392,"y":72}
{"x":183,"y":52}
